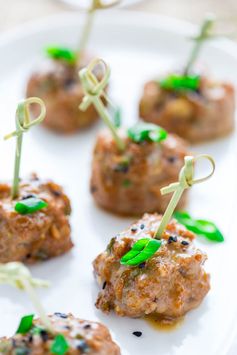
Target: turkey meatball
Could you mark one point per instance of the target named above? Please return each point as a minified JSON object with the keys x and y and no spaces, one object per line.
{"x":58,"y":84}
{"x":82,"y":337}
{"x":129,"y":182}
{"x":36,"y":236}
{"x":197,"y":116}
{"x":168,"y":285}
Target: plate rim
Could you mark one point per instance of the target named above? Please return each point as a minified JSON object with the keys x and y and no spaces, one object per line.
{"x":145,"y":19}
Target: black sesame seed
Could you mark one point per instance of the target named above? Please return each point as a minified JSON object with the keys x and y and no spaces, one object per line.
{"x":25,"y":197}
{"x":93,"y":189}
{"x":184,"y":242}
{"x":172,"y":239}
{"x":121,"y":168}
{"x":104,"y":285}
{"x":133,"y":229}
{"x":171,"y":159}
{"x":61,"y":315}
{"x":44,"y":335}
{"x":87,"y":326}
{"x":142,"y":265}
{"x":67,"y":327}
{"x":57,"y":193}
{"x":137,"y":334}
{"x":82,"y":345}
{"x":68,"y":83}
{"x":142,"y":226}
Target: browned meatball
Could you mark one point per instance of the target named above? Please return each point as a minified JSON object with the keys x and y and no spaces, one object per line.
{"x":37,"y":236}
{"x":129,"y":183}
{"x":168,"y":285}
{"x":57,"y":83}
{"x":83,"y":337}
{"x":196,"y":116}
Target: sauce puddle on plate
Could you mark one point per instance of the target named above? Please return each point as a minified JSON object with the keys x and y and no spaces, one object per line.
{"x":164,"y":325}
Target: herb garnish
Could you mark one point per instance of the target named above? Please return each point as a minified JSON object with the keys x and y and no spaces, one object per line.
{"x":60,"y":345}
{"x":25,"y":324}
{"x":149,"y":132}
{"x":30,"y":205}
{"x":23,"y":124}
{"x":141,"y":251}
{"x":178,"y":82}
{"x":199,"y":226}
{"x":117,"y":117}
{"x":145,"y":248}
{"x":61,"y":53}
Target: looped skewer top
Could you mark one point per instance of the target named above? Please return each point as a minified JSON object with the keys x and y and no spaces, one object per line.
{"x":23,"y":121}
{"x":19,"y":276}
{"x":99,"y":5}
{"x":94,"y":90}
{"x":23,"y":124}
{"x":91,"y":86}
{"x":186,"y":180}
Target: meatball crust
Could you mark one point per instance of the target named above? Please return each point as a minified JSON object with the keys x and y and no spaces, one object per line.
{"x":38,"y":236}
{"x":129,"y":183}
{"x":58,"y":84}
{"x":83,"y":337}
{"x":198,"y":116}
{"x":168,"y":285}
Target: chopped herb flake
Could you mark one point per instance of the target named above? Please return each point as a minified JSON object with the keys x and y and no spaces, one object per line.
{"x":60,"y":345}
{"x":141,"y":251}
{"x":147,"y":132}
{"x":30,"y":205}
{"x":25,"y":324}
{"x":179,"y":82}
{"x":61,"y":53}
{"x":127,"y":183}
{"x":117,"y":117}
{"x":199,"y":226}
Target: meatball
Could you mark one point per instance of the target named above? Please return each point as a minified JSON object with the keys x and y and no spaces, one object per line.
{"x":37,"y":236}
{"x":194,"y":115}
{"x":129,"y":183}
{"x":83,"y":337}
{"x":57,"y":83}
{"x":168,"y":285}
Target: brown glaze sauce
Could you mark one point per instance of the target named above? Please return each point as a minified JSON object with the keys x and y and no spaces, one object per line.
{"x":164,"y":325}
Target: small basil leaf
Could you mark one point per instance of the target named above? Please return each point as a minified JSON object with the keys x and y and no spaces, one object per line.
{"x":181,"y":82}
{"x":25,"y":324}
{"x":209,"y":230}
{"x":61,"y":53}
{"x":141,"y":251}
{"x":199,"y":226}
{"x":30,"y":205}
{"x":147,"y":132}
{"x":60,"y":345}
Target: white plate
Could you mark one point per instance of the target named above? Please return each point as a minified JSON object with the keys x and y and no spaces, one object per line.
{"x":138,"y":47}
{"x":84,"y":4}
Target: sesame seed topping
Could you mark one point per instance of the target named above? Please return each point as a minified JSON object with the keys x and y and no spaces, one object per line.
{"x":137,"y":334}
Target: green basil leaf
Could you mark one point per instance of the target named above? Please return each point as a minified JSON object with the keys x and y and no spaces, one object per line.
{"x":30,"y":205}
{"x":141,"y":251}
{"x":60,"y":345}
{"x":181,"y":82}
{"x":25,"y":324}
{"x":61,"y":53}
{"x":147,"y":132}
{"x":200,"y":227}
